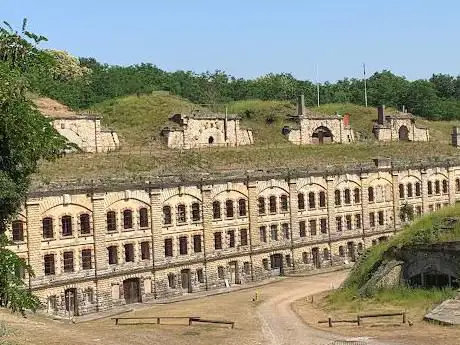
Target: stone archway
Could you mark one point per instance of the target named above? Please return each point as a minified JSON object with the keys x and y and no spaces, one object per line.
{"x":403,"y":133}
{"x":322,"y":135}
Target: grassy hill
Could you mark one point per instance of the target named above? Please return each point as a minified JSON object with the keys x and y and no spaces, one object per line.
{"x":139,"y":119}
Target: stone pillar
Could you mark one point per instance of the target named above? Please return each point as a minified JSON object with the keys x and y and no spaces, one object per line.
{"x":34,"y":238}
{"x":103,"y":297}
{"x":208,"y":235}
{"x":156,"y":223}
{"x":424,"y":179}
{"x":365,"y":201}
{"x":293,"y":213}
{"x":253,"y":213}
{"x":396,"y":201}
{"x":451,"y":184}
{"x":331,"y":206}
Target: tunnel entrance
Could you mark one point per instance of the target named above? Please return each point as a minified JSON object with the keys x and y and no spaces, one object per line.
{"x":434,"y":280}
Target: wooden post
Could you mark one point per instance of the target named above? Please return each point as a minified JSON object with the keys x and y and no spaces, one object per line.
{"x":329,"y":320}
{"x":404,"y":317}
{"x":359,"y":320}
{"x":158,"y":320}
{"x":189,"y":321}
{"x":116,"y":321}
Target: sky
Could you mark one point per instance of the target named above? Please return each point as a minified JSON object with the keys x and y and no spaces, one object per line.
{"x":323,"y":40}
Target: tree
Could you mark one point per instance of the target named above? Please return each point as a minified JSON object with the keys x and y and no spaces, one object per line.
{"x":26,"y":137}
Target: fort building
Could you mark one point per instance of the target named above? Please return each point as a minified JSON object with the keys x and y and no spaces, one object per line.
{"x":398,"y":126}
{"x":186,"y":131}
{"x":83,"y":130}
{"x":312,"y":128}
{"x":97,"y":245}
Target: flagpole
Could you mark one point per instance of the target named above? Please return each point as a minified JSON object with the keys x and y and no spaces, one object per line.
{"x":365,"y":84}
{"x":317,"y":85}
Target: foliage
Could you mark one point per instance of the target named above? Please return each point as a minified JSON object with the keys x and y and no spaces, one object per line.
{"x":25,"y":138}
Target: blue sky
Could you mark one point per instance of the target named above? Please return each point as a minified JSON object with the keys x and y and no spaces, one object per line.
{"x":249,"y":38}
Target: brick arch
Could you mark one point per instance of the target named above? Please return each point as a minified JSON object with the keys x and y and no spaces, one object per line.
{"x":408,"y":178}
{"x":166,"y":201}
{"x":229,"y":191}
{"x":224,"y":188}
{"x":353,"y":184}
{"x":262,"y":185}
{"x":273,"y":188}
{"x":111,"y":206}
{"x":306,"y":185}
{"x":167,"y":194}
{"x":438,"y":175}
{"x":70,"y":204}
{"x":137,"y":195}
{"x":381,"y":179}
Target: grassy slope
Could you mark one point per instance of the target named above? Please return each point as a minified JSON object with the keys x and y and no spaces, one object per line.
{"x":138,"y":120}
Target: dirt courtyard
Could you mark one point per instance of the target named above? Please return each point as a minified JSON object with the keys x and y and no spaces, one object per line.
{"x":271,"y":320}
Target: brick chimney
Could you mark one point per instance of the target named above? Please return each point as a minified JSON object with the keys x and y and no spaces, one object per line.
{"x":301,"y":105}
{"x":381,"y":115}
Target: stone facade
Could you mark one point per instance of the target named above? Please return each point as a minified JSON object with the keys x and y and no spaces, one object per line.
{"x":400,"y":126}
{"x":102,"y":245}
{"x":205,"y":130}
{"x":311,"y":128}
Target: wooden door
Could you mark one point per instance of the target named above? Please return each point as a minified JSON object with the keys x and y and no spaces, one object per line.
{"x":186,"y":282}
{"x":131,"y":290}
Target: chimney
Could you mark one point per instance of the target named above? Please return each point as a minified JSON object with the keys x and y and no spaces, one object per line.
{"x":381,"y":115}
{"x":301,"y":105}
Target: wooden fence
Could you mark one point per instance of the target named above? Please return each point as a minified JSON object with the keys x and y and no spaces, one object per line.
{"x":360,"y":317}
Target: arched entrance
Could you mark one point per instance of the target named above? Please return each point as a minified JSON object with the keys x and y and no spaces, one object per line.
{"x":322,"y":135}
{"x":211,"y":140}
{"x":276,"y":263}
{"x":403,"y":133}
{"x":71,"y":301}
{"x":131,"y":290}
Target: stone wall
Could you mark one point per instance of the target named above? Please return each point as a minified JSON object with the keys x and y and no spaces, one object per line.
{"x":390,"y":130}
{"x":171,"y":236}
{"x":341,"y":133}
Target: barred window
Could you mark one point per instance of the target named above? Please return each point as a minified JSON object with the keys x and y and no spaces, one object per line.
{"x":127,"y":219}
{"x":301,"y":201}
{"x":85,"y":225}
{"x":242,"y":211}
{"x":167,"y":218}
{"x":143,"y":217}
{"x":66,"y":222}
{"x":261,"y":205}
{"x":216,"y":214}
{"x":48,"y":228}
{"x":181,"y":214}
{"x":196,"y":212}
{"x":86,"y":259}
{"x":229,"y":211}
{"x":18,"y":230}
{"x":311,"y":200}
{"x":111,"y":221}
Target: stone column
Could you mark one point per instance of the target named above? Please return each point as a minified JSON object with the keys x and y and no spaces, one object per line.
{"x":365,"y":204}
{"x":156,"y":223}
{"x":293,"y":213}
{"x":208,"y":235}
{"x":103,"y":297}
{"x":34,"y":238}
{"x":424,"y":179}
{"x":451,"y":184}
{"x":331,"y":206}
{"x":253,"y":213}
{"x":396,"y":201}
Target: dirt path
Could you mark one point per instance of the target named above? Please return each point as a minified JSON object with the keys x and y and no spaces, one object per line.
{"x":281,"y":325}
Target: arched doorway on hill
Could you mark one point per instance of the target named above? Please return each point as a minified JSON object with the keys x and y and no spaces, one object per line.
{"x":322,"y":135}
{"x":403,"y":133}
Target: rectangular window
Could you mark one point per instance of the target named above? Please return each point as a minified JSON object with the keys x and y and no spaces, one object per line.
{"x":48,"y":261}
{"x":129,"y":252}
{"x":419,"y":210}
{"x":47,"y":228}
{"x":285,"y":227}
{"x":231,"y":238}
{"x":348,"y":221}
{"x":347,"y":196}
{"x":302,"y":230}
{"x":274,"y":232}
{"x":265,"y":264}
{"x":145,"y":250}
{"x":311,"y":200}
{"x":143,"y":218}
{"x":217,"y":240}
{"x":272,"y":204}
{"x":18,"y":230}
{"x":288,"y":260}
{"x":85,"y":227}
{"x":409,"y":190}
{"x":313,"y":227}
{"x":246,"y":268}
{"x":284,"y":203}
{"x":430,"y":187}
{"x":358,"y":221}
{"x":200,"y":275}
{"x":111,"y":221}
{"x":196,"y":212}
{"x":418,"y":189}
{"x":371,"y":219}
{"x":197,"y":243}
{"x":381,"y":218}
{"x":242,"y":210}
{"x":229,"y":210}
{"x":338,"y":223}
{"x":323,"y":225}
{"x":68,"y":262}
{"x":263,"y":234}
{"x":220,"y":272}
{"x":183,"y":244}
{"x":181,"y":214}
{"x":66,"y":222}
{"x":216,"y":212}
{"x":168,"y":247}
{"x":86,"y":259}
{"x":127,"y":219}
{"x":261,"y":205}
{"x":301,"y":201}
{"x":244,"y":237}
{"x":167,"y":217}
{"x":113,"y":255}
{"x":322,"y":199}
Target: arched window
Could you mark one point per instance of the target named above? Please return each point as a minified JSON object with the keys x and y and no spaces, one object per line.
{"x":261,"y":205}
{"x":322,"y":199}
{"x":216,"y":211}
{"x":326,"y":254}
{"x":338,"y":198}
{"x":18,"y":230}
{"x":401,"y":191}
{"x":347,"y":196}
{"x":311,"y":200}
{"x":445,"y":188}
{"x":143,"y":217}
{"x":85,"y":224}
{"x":111,"y":221}
{"x":284,"y":203}
{"x":66,"y":222}
{"x":357,"y":195}
{"x":272,"y":204}
{"x":457,"y":184}
{"x":418,"y":189}
{"x":370,"y":193}
{"x":410,"y":194}
{"x":430,"y":188}
{"x":242,"y":210}
{"x":437,"y":187}
{"x":229,"y":213}
{"x":127,"y":219}
{"x":196,"y":212}
{"x":181,"y":213}
{"x":341,"y":251}
{"x":301,"y":201}
{"x":167,"y":217}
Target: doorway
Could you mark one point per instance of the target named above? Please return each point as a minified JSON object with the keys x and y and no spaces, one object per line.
{"x":316,"y":258}
{"x":186,"y":280}
{"x":322,"y":135}
{"x":276,"y":263}
{"x":233,"y":270}
{"x":131,"y":290}
{"x":71,"y":301}
{"x":403,"y":133}
{"x":351,"y":251}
